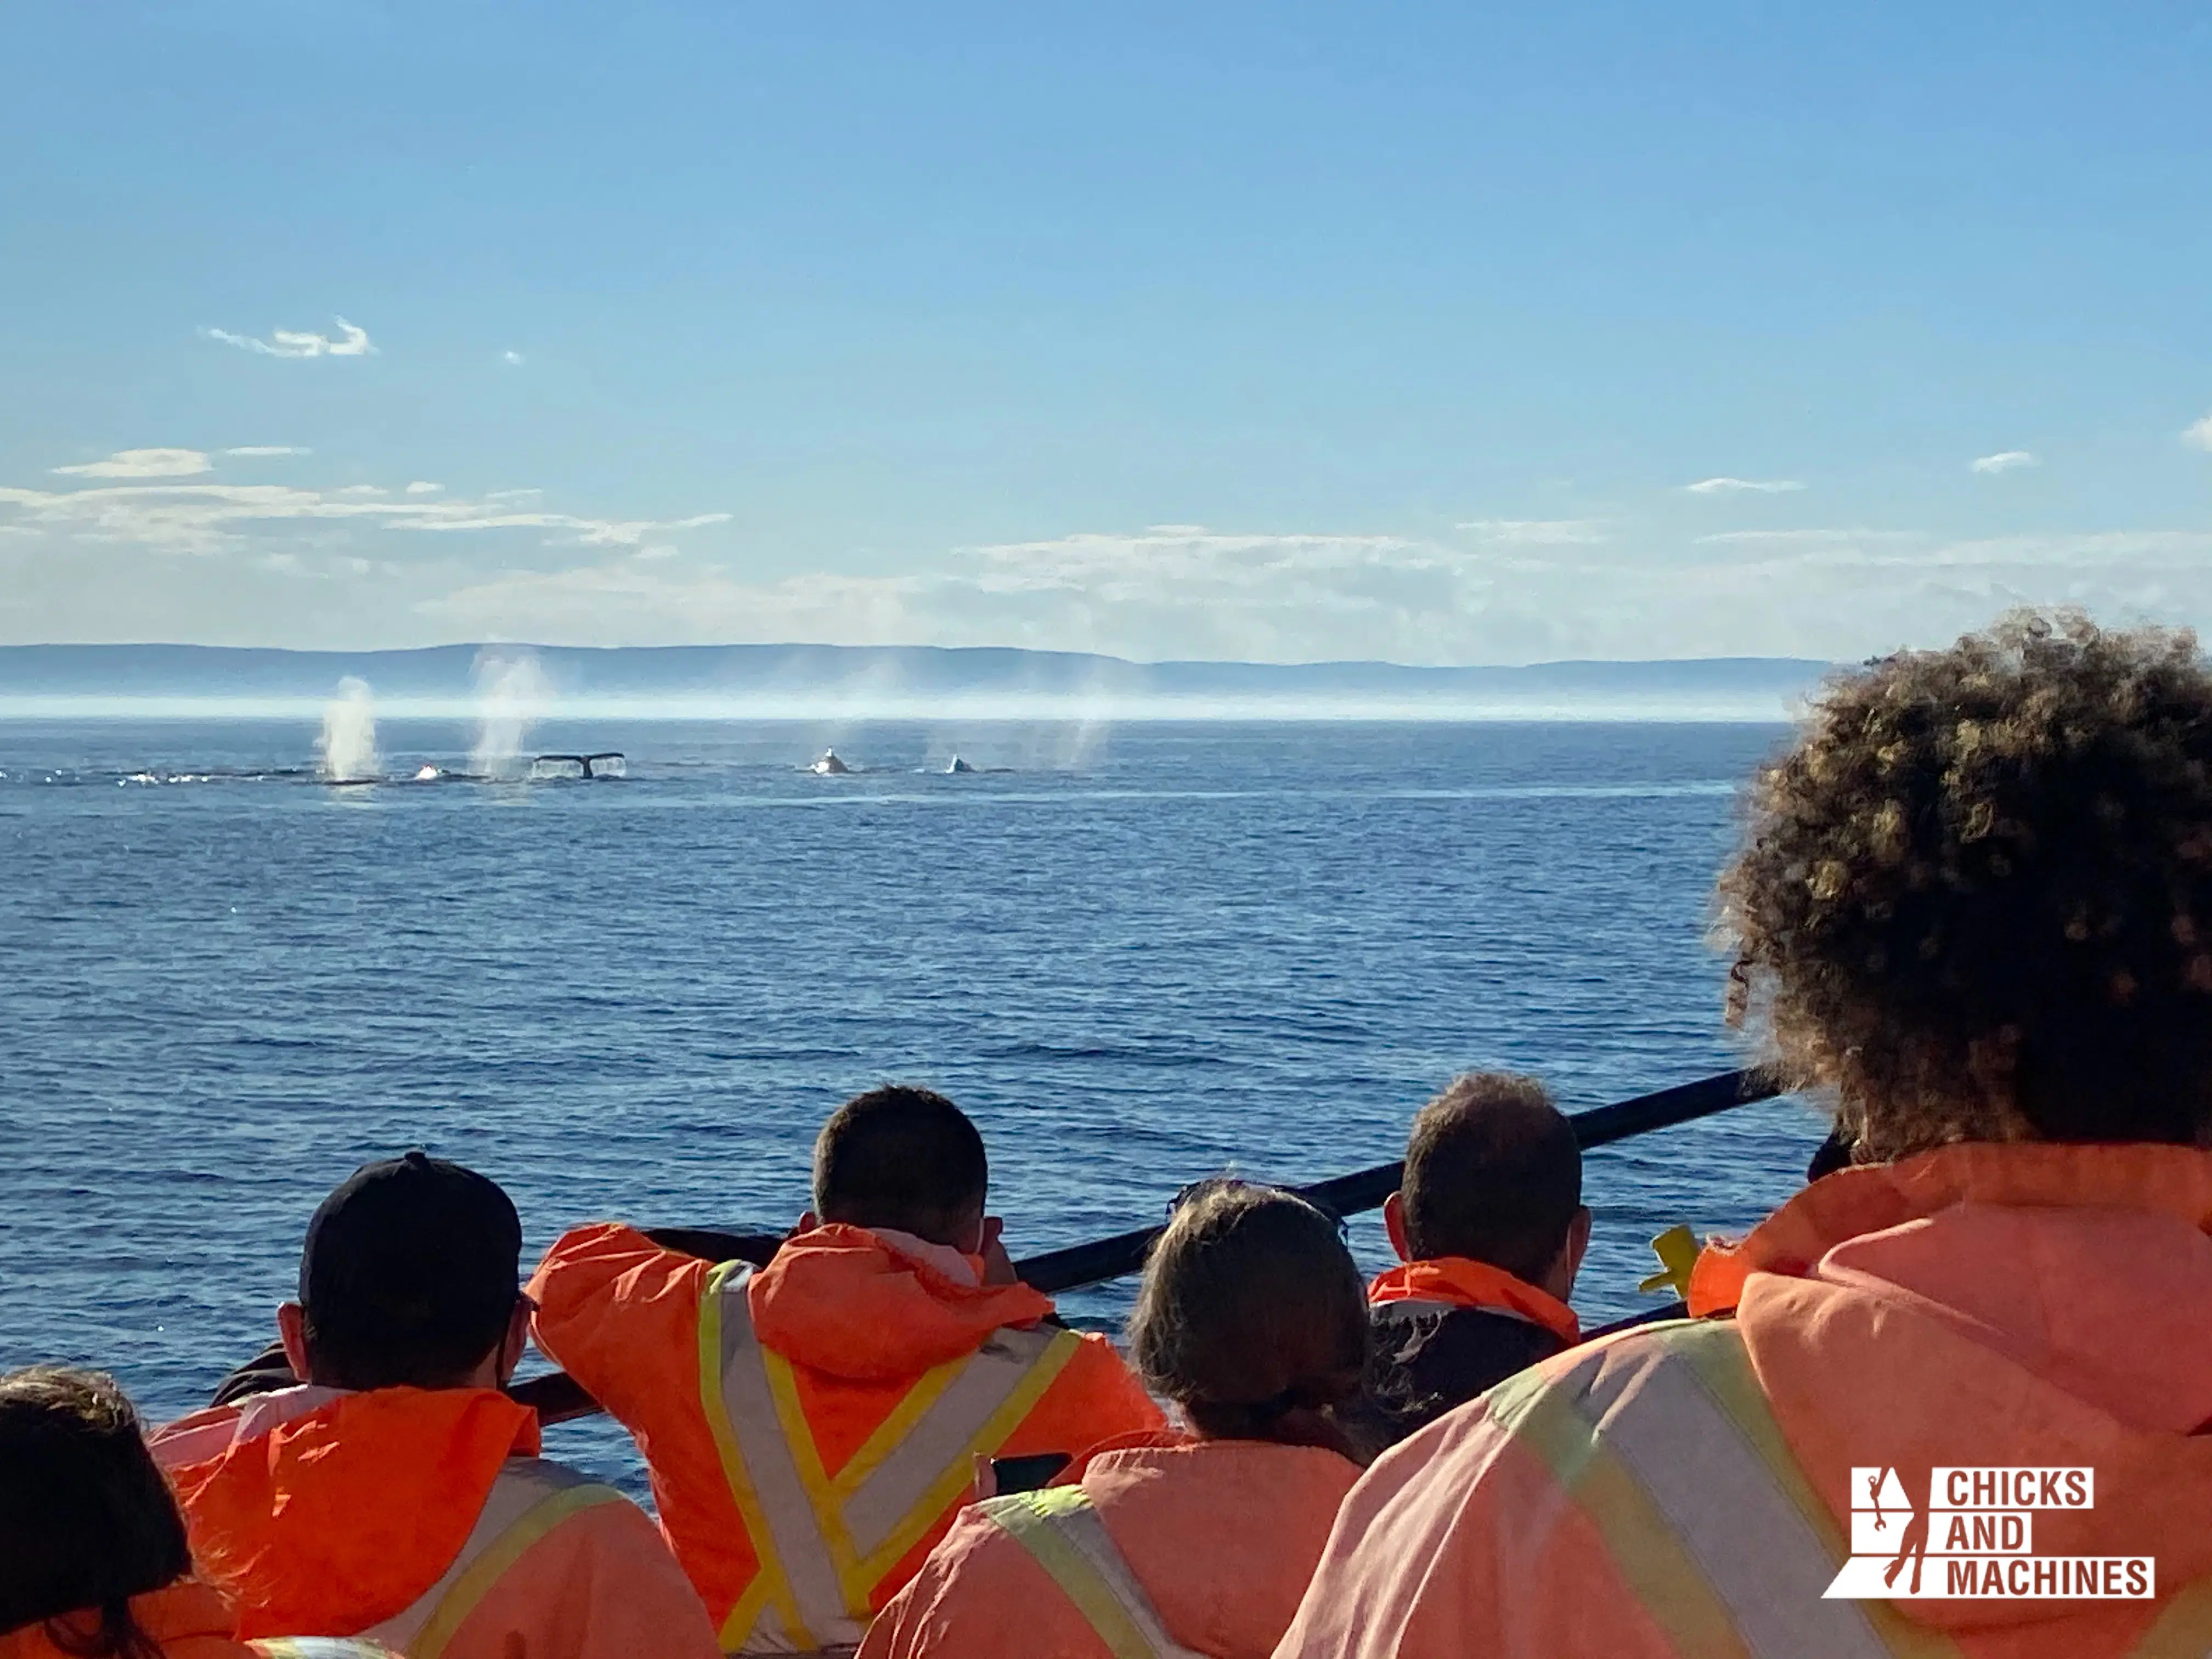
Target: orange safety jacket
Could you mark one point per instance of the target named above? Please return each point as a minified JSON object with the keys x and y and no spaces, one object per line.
{"x":1157,"y":1547}
{"x":186,"y":1620}
{"x":424,"y":1520}
{"x":811,"y":1427}
{"x":1694,"y":1488}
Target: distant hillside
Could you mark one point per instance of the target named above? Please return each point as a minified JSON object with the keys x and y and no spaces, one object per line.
{"x":776,"y":678}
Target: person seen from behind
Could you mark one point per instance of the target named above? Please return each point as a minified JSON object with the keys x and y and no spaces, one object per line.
{"x":398,"y":1492}
{"x":93,"y":1559}
{"x":811,"y":1426}
{"x":1490,"y":1230}
{"x":1974,"y":903}
{"x":1252,"y":1321}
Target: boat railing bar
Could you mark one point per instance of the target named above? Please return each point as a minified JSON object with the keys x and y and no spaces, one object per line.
{"x":1105,"y":1259}
{"x":559,"y":1398}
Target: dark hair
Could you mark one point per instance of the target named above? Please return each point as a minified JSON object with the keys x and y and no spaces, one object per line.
{"x":1253,"y":1318}
{"x":409,"y":1275}
{"x":1493,"y":1173}
{"x":901,"y":1157}
{"x":86,"y":1521}
{"x":1976,"y":895}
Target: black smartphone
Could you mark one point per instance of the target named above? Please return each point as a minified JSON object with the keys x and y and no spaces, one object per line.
{"x":1030,"y":1473}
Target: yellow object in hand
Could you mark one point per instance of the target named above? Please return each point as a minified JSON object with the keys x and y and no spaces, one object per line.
{"x":1677,"y":1250}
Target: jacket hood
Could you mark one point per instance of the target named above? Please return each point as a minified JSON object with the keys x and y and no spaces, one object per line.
{"x":2032,"y":1306}
{"x":339,"y":1519}
{"x":1182,"y":1512}
{"x":846,"y":1301}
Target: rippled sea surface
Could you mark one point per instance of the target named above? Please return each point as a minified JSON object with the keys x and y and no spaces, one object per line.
{"x":1137,"y":956}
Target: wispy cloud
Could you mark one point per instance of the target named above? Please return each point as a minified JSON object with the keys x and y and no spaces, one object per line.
{"x":1189,"y":593}
{"x":424,"y":487}
{"x":1743,"y":486}
{"x":1805,"y":537}
{"x":2008,"y":460}
{"x":512,"y":359}
{"x":351,"y":341}
{"x":143,"y":463}
{"x":1538,"y":532}
{"x":268,"y":449}
{"x":2198,"y":433}
{"x":212,"y":518}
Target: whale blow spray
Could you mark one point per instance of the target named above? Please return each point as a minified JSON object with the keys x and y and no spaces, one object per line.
{"x":512,"y":693}
{"x":348,"y":745}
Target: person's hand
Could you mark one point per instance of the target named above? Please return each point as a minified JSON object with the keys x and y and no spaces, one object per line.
{"x":998,"y":1265}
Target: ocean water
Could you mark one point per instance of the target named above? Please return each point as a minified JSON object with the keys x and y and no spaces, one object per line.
{"x":1137,"y":955}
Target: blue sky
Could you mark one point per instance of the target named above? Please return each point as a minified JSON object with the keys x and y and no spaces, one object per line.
{"x":1283,"y":332}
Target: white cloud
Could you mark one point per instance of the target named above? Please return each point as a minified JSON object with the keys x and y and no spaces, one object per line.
{"x":2198,"y":433}
{"x":1188,"y":592}
{"x":512,"y":359}
{"x":143,"y":463}
{"x":1743,"y":486}
{"x":209,"y":518}
{"x":2010,"y":460}
{"x":1806,"y":538}
{"x":423,"y":487}
{"x":352,"y":342}
{"x":1538,"y":532}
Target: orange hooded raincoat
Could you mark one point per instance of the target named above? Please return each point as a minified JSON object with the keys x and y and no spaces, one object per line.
{"x":811,"y":1426}
{"x":424,"y":1520}
{"x":1220,"y":1537}
{"x":1688,"y":1490}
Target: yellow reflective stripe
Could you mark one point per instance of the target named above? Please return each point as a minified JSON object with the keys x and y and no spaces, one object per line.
{"x":2183,"y":1629}
{"x":769,"y":1581}
{"x":459,"y":1602}
{"x":745,"y":1615}
{"x":893,"y":1429}
{"x":1715,"y":1352}
{"x":1029,"y":1519}
{"x":1541,"y":1415}
{"x":959,"y":1474}
{"x":858,"y":1576}
{"x":806,"y":1459}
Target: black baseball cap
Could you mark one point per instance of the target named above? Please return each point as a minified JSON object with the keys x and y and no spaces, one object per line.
{"x":409,"y":1273}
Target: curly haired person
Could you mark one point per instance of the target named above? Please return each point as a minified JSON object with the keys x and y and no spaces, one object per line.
{"x":1973,"y":908}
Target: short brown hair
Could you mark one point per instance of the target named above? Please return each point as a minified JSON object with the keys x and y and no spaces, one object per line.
{"x":1252,"y":1312}
{"x":901,"y":1158}
{"x":1976,"y":895}
{"x":86,"y":1521}
{"x":1493,"y":1173}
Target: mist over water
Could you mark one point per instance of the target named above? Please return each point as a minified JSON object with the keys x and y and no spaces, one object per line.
{"x":347,"y":747}
{"x":513,"y":695}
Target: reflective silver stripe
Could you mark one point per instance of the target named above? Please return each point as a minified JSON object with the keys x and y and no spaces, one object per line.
{"x":522,"y":1486}
{"x":941,"y":1436}
{"x":1761,"y":1557}
{"x":796,"y":1529}
{"x":1091,"y":1564}
{"x":814,"y":1532}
